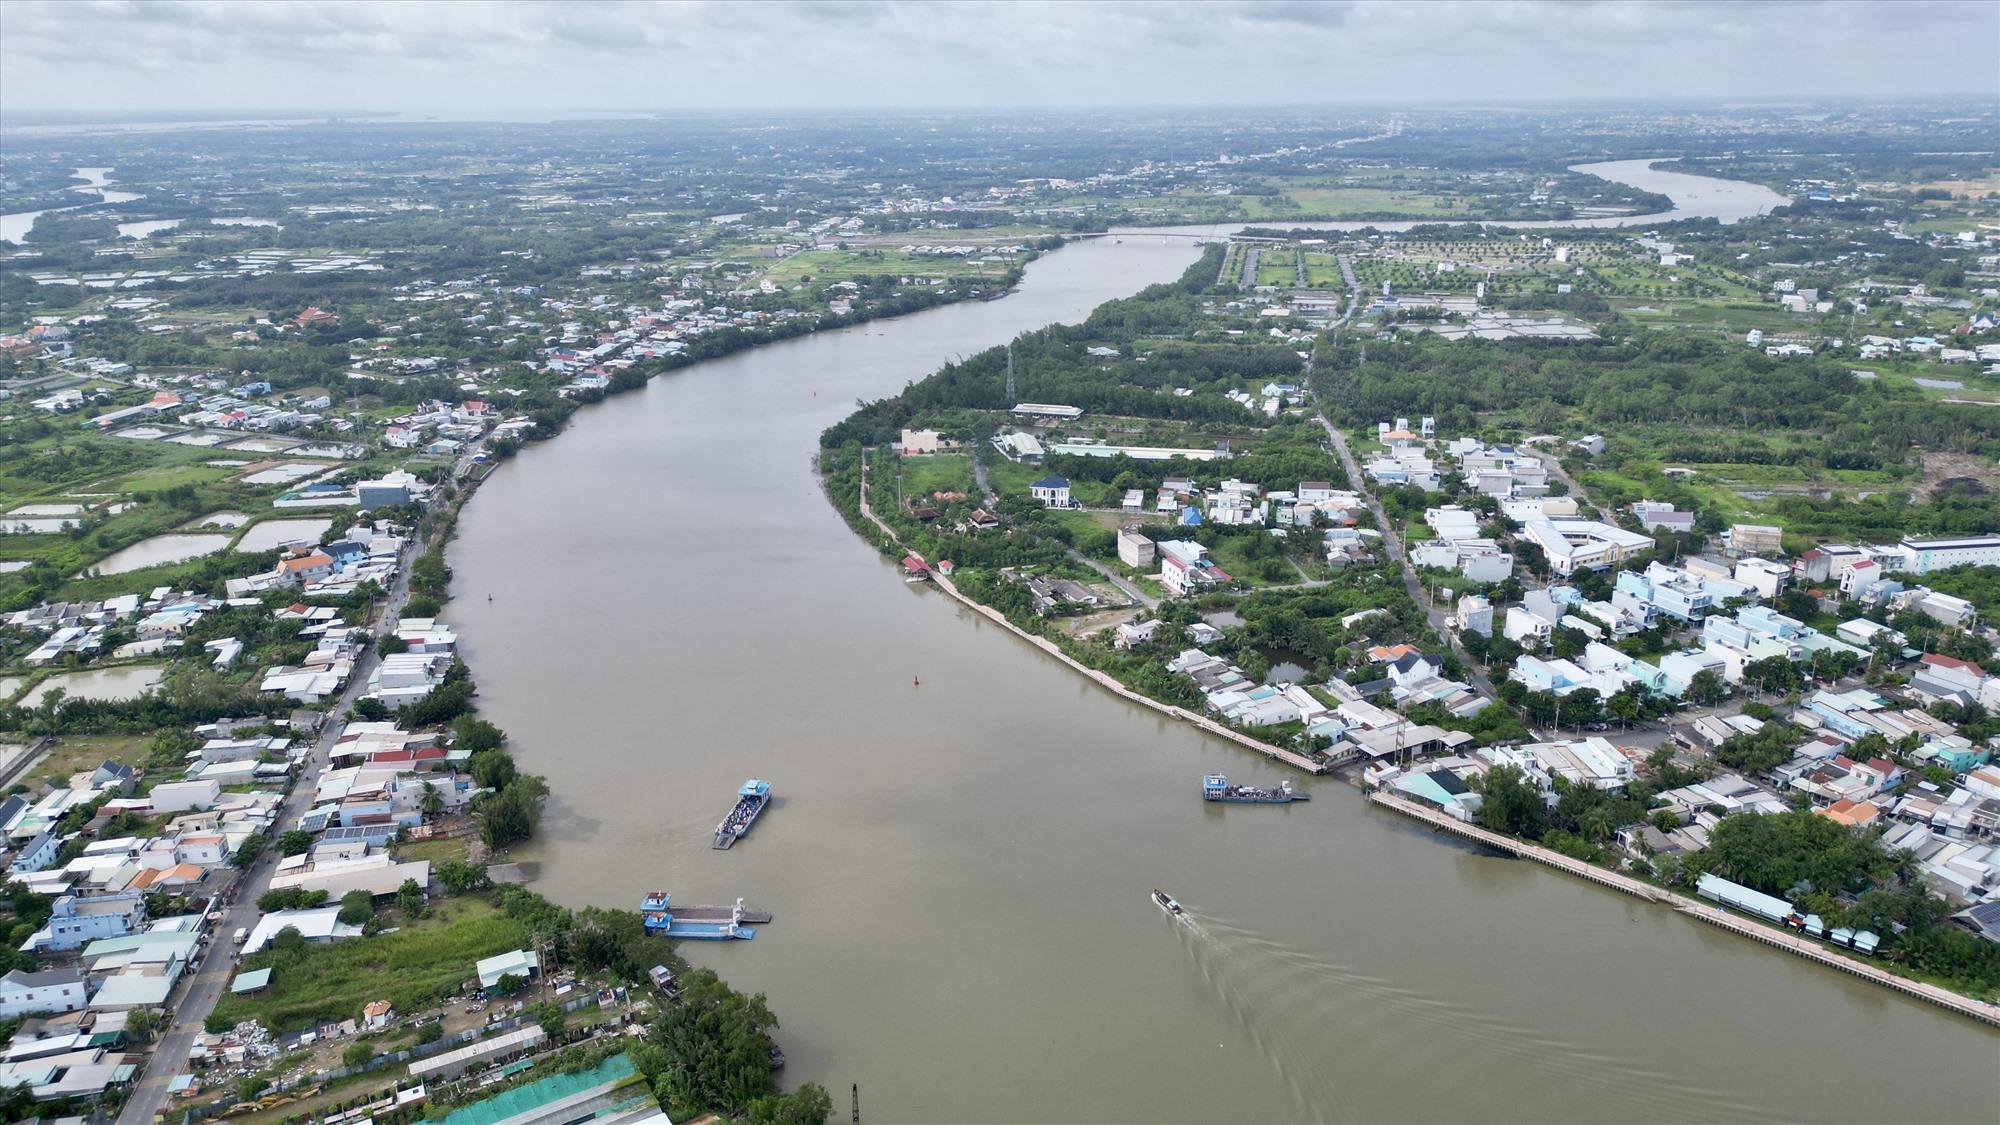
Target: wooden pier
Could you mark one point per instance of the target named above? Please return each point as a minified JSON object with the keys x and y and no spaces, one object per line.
{"x":1711,"y":913}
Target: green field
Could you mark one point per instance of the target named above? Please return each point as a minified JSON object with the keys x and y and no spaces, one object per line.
{"x":413,"y":968}
{"x":948,"y":472}
{"x":822,"y":267}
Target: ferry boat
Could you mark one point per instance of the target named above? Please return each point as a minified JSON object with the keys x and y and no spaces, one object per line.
{"x":701,"y":923}
{"x":750,"y":802}
{"x":1166,"y":902}
{"x":1216,"y":787}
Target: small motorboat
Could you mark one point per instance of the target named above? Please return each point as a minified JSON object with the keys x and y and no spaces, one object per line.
{"x":1166,"y":902}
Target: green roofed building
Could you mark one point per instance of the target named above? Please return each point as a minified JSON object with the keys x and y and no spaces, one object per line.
{"x":611,"y":1089}
{"x":256,"y":980}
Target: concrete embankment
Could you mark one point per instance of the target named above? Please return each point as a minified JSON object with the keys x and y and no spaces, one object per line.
{"x":1111,"y":684}
{"x":1714,"y":915}
{"x":1103,"y":680}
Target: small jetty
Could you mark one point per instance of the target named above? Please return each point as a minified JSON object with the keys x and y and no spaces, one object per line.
{"x":750,"y":802}
{"x":698,"y":923}
{"x":1216,"y":787}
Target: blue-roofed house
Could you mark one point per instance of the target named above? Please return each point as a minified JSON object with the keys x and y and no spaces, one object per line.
{"x":1052,"y":491}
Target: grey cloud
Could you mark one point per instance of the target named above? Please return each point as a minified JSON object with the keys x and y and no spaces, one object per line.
{"x":239,"y":55}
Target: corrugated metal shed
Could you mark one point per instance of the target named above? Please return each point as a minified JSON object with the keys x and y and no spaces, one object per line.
{"x":1743,"y":898}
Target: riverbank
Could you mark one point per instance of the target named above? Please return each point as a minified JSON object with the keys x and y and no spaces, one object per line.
{"x":1714,"y":915}
{"x":693,"y":612}
{"x":1102,"y":679}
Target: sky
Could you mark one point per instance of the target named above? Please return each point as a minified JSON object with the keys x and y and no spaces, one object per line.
{"x":255,"y":57}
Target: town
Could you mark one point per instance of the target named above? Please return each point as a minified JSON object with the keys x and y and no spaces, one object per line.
{"x":1663,"y":553}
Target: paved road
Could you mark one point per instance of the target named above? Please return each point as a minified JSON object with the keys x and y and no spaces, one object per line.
{"x":1438,"y":617}
{"x":199,"y":990}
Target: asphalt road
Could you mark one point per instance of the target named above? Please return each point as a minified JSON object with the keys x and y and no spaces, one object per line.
{"x":199,"y":990}
{"x":1438,"y":617}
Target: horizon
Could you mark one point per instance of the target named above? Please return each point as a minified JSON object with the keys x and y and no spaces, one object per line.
{"x":506,"y":58}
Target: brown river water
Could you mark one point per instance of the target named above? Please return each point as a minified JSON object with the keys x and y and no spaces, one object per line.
{"x":960,"y":871}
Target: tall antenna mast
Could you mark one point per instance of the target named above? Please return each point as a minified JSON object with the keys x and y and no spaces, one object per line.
{"x":1010,"y":374}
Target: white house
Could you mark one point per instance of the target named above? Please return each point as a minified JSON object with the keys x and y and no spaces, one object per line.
{"x":58,"y":990}
{"x":1134,"y":549}
{"x":1052,"y":491}
{"x":185,"y":796}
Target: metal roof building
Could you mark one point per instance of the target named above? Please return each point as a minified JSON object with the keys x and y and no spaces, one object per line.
{"x":1743,"y":898}
{"x":453,"y":1063}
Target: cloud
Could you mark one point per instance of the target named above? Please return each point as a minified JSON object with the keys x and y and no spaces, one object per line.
{"x":263,"y":55}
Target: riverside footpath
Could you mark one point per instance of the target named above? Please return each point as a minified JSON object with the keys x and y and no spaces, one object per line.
{"x":1104,"y":680}
{"x":1713,"y":914}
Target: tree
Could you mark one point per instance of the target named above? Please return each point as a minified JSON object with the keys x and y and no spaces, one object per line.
{"x":1775,"y":674}
{"x":410,"y":898}
{"x":1627,"y":705}
{"x":511,"y":815}
{"x":295,"y":842}
{"x":1510,"y":804}
{"x":431,"y":802}
{"x":459,"y":877}
{"x":357,"y":1054}
{"x":1706,"y":688}
{"x":356,"y":907}
{"x":492,"y":769}
{"x":142,"y":1022}
{"x":810,"y":1104}
{"x":475,"y":735}
{"x":1763,"y":749}
{"x":715,"y":1048}
{"x":246,"y":855}
{"x":1583,"y":706}
{"x":551,"y":1018}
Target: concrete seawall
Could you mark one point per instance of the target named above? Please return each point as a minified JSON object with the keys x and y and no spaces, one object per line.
{"x":1714,"y":915}
{"x":1111,"y":684}
{"x":1107,"y":682}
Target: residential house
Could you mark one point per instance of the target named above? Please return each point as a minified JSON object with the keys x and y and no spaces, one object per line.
{"x":24,"y":993}
{"x":1052,"y":491}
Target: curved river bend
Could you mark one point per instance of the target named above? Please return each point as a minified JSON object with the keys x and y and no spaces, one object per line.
{"x":960,"y":871}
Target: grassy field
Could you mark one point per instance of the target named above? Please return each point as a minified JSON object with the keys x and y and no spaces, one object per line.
{"x":1323,"y":271}
{"x":824,"y":267}
{"x":949,"y":472}
{"x":437,"y":851}
{"x":412,"y":968}
{"x":1279,"y":268}
{"x":74,"y":753}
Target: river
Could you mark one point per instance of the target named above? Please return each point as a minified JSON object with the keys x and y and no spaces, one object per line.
{"x":960,"y":870}
{"x":14,"y":228}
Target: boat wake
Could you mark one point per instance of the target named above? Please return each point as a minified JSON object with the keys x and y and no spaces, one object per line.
{"x":1328,"y":1030}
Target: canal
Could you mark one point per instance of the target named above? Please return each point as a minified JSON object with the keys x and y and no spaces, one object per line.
{"x":960,"y":871}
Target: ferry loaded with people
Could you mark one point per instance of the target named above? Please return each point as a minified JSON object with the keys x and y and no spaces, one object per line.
{"x":1216,"y":787}
{"x":750,"y":802}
